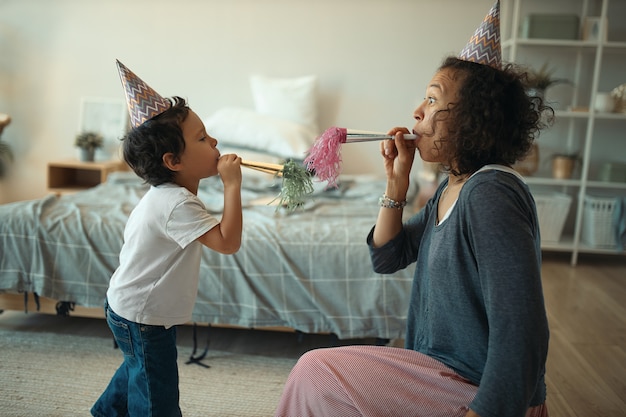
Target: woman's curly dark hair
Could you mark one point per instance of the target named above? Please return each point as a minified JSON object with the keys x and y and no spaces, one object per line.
{"x":145,"y":145}
{"x":494,"y":121}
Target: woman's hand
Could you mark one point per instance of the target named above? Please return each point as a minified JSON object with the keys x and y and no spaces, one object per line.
{"x":398,"y":156}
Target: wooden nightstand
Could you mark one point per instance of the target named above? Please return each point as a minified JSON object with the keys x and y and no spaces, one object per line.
{"x":72,"y":175}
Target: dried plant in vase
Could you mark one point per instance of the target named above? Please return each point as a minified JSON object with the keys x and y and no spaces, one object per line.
{"x":88,"y":142}
{"x":538,"y":81}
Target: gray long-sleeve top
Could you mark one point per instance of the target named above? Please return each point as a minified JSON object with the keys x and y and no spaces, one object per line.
{"x":477,"y":301}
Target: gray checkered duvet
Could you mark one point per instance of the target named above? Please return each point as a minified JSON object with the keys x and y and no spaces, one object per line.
{"x":308,"y":270}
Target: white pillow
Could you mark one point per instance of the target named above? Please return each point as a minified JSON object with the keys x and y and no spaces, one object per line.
{"x":245,"y":128}
{"x":292,"y":99}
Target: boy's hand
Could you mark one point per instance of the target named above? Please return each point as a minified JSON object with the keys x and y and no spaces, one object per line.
{"x":229,"y":169}
{"x":226,"y":237}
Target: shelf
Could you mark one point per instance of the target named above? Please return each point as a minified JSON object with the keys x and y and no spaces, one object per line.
{"x":70,"y":176}
{"x":610,"y":116}
{"x":593,"y":66}
{"x":608,"y":185}
{"x":615,"y":47}
{"x":585,"y":114}
{"x":552,"y":181}
{"x":605,"y":251}
{"x":566,"y":244}
{"x":551,"y":43}
{"x":610,"y":46}
{"x":570,"y":114}
{"x":548,"y":181}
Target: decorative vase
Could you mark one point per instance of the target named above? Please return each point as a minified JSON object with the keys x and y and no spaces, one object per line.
{"x":87,"y":154}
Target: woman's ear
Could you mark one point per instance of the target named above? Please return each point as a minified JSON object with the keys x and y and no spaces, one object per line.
{"x":171,"y":162}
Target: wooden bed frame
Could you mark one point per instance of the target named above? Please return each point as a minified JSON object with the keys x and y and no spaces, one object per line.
{"x":15,"y":302}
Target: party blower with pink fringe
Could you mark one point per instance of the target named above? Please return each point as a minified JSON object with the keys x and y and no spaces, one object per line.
{"x":324,"y":157}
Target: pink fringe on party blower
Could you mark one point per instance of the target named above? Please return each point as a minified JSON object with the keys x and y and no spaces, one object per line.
{"x":324,"y":157}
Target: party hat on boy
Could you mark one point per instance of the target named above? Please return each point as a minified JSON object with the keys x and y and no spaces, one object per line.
{"x":143,"y":102}
{"x":484,"y":47}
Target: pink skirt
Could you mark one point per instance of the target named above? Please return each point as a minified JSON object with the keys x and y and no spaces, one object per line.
{"x":376,"y":381}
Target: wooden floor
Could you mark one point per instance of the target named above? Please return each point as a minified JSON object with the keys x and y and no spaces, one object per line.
{"x":586,"y":369}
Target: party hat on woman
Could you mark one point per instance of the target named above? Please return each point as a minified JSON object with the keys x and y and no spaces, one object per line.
{"x":143,"y":102}
{"x":484,"y":47}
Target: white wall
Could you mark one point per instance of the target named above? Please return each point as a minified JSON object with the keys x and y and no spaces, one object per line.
{"x":373,"y":59}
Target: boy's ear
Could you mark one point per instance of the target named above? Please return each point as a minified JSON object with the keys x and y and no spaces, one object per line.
{"x":171,"y":162}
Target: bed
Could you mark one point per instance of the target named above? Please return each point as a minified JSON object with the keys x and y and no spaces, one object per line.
{"x":307,"y":270}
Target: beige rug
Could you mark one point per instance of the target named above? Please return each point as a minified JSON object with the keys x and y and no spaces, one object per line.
{"x":51,"y":374}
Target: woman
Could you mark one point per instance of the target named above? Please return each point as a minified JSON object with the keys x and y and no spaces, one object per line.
{"x":477,"y":333}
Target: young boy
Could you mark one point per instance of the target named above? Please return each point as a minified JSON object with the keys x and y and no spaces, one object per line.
{"x":155,"y":286}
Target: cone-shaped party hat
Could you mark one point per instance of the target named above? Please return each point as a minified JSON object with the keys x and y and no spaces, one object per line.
{"x":143,"y":102}
{"x":484,"y":47}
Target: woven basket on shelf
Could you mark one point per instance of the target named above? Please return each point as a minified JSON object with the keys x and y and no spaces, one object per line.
{"x":619,"y":97}
{"x":620,"y":106}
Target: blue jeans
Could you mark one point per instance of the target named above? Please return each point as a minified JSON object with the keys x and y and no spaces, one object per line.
{"x":146,"y":383}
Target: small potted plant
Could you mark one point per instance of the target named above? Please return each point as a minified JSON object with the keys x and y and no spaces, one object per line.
{"x":88,"y":142}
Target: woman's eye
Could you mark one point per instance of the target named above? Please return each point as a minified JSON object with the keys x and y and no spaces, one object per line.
{"x":203,"y":139}
{"x":431,"y":100}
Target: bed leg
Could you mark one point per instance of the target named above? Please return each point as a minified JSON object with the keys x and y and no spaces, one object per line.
{"x":198,"y":359}
{"x":64,"y":307}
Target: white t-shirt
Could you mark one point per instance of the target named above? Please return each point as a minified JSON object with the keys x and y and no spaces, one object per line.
{"x":157,"y":280}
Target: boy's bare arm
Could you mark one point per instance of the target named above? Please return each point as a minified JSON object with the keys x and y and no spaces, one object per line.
{"x":226,"y":236}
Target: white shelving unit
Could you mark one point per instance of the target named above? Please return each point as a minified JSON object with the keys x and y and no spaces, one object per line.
{"x":593,"y":66}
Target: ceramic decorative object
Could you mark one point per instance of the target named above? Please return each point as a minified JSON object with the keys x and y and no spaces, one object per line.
{"x":605,"y":103}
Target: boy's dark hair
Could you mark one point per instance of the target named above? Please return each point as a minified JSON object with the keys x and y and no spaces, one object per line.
{"x":145,"y":145}
{"x":494,"y":120}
